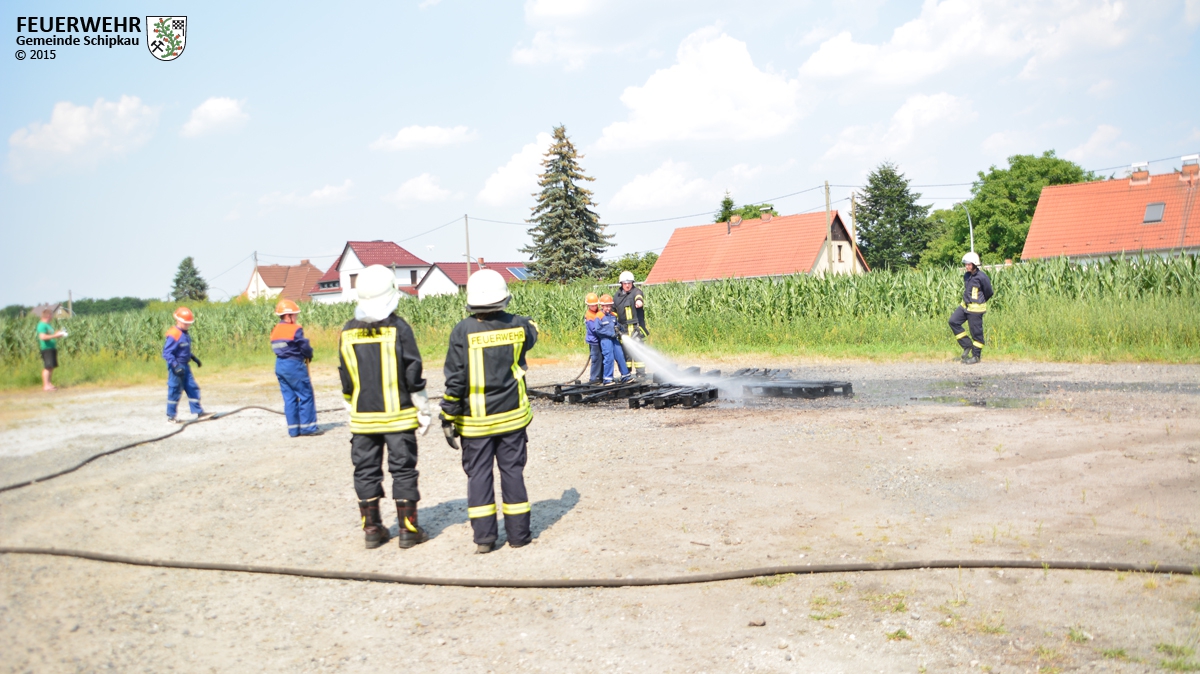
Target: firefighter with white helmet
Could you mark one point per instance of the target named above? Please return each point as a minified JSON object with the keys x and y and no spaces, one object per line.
{"x":629,"y":305}
{"x":977,"y":290}
{"x":177,"y":351}
{"x":486,"y":408}
{"x":384,"y":390}
{"x":292,"y":356}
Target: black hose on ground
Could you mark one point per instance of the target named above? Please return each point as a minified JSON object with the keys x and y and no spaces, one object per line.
{"x":562,"y":583}
{"x":183,"y":427}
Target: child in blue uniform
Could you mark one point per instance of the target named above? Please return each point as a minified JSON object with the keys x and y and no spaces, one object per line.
{"x":610,"y":345}
{"x":292,"y":354}
{"x":591,"y":320}
{"x":177,"y":351}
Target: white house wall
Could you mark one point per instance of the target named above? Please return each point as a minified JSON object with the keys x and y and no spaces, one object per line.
{"x":436,"y":283}
{"x":848,"y":265}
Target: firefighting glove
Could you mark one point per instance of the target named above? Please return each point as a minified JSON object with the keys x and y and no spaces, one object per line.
{"x":179,"y":371}
{"x":451,"y":433}
{"x":421,"y":402}
{"x":197,"y":361}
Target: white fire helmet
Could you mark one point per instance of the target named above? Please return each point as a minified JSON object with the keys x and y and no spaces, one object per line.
{"x":377,"y":294}
{"x":971,"y":258}
{"x":487,"y":291}
{"x":626,"y":277}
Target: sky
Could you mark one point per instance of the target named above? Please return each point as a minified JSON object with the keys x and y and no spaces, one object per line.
{"x":287,"y":129}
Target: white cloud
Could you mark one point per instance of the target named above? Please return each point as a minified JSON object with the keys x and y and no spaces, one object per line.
{"x":78,"y":135}
{"x":214,"y":115}
{"x":917,"y":113}
{"x":954,"y":32}
{"x":551,"y":46}
{"x":1191,"y":12}
{"x":557,"y":9}
{"x":1101,"y":144}
{"x":417,"y":136}
{"x":684,"y":102}
{"x":322,"y":196}
{"x":422,"y":188}
{"x":517,"y":179}
{"x":668,"y":185}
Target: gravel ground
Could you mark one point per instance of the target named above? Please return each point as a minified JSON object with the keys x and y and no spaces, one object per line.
{"x":927,"y":461}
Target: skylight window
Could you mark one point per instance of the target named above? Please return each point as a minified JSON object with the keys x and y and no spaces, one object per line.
{"x":1154,"y":213}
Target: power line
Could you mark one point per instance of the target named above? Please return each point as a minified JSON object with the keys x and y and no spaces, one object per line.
{"x":299,"y":257}
{"x":414,"y":236}
{"x":235,"y":266}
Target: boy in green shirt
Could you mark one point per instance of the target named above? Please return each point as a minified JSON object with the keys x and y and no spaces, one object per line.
{"x":46,"y":340}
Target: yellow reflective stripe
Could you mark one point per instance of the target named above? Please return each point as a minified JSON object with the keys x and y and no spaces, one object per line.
{"x":497,"y":425}
{"x":515,"y":508}
{"x":481,"y":511}
{"x":477,"y":378}
{"x":453,"y":399}
{"x":975,"y":293}
{"x":352,"y":368}
{"x":409,"y":525}
{"x":482,"y":340}
{"x":387,"y":361}
{"x":978,"y":344}
{"x":961,"y":335}
{"x":629,"y":313}
{"x":977,"y":307}
{"x":374,"y":428}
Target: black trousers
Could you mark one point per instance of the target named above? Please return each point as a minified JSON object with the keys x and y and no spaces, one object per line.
{"x":366,"y":451}
{"x":974,"y":321}
{"x":508,"y":453}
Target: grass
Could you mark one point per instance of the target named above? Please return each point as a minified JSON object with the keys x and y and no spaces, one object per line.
{"x":1114,"y":654}
{"x":1127,"y":310}
{"x":772,"y":581}
{"x":898,"y":635}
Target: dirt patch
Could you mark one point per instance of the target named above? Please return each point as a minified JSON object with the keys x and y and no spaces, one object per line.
{"x":1098,"y":466}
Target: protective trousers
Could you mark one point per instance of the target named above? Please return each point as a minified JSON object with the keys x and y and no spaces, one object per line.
{"x":614,"y":354}
{"x":974,"y":321}
{"x":298,"y":404}
{"x":508,"y":453}
{"x":597,"y":362}
{"x":179,"y":384}
{"x":366,"y":451}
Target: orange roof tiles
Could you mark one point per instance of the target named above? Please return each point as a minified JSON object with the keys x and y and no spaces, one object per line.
{"x":782,"y":245}
{"x":457,"y":271}
{"x":1105,"y":218}
{"x":295,"y":280}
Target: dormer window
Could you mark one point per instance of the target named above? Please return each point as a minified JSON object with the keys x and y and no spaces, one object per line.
{"x":1154,"y":213}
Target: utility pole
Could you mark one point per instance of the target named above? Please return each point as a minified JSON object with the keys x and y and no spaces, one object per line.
{"x":70,"y":305}
{"x":829,"y":230}
{"x":854,"y":232}
{"x":256,"y":290}
{"x":467,"y":231}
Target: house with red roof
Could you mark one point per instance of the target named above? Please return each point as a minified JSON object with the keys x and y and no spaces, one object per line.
{"x":286,"y":282}
{"x":1143,"y":214}
{"x":766,"y":246}
{"x":340,"y":282}
{"x":447,"y":278}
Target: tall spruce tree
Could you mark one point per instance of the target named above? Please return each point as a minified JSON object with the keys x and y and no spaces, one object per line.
{"x":727,"y":209}
{"x":567,"y":235}
{"x":892,"y":228}
{"x":188,"y":284}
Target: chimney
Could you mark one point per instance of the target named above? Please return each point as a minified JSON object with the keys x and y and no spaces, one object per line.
{"x":734,"y":221}
{"x":766,"y":216}
{"x":1139,"y":173}
{"x":1191,"y":168}
{"x":481,"y":264}
{"x":303,"y":262}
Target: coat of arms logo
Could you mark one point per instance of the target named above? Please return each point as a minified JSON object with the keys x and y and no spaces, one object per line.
{"x":166,"y":36}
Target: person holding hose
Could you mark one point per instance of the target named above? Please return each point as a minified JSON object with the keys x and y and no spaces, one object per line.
{"x":384,"y":390}
{"x":292,"y":356}
{"x":977,"y":290}
{"x":595,"y":355}
{"x":486,"y":407}
{"x":631,"y":313}
{"x":177,"y":351}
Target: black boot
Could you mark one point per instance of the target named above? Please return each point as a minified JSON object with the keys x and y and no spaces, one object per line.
{"x":372,"y":523}
{"x":965,"y":354}
{"x":410,"y":533}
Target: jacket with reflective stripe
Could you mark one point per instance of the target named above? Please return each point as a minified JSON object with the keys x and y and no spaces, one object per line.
{"x":288,"y":341}
{"x":380,"y":368}
{"x":177,"y":350}
{"x":628,"y":313}
{"x":977,"y":290}
{"x":485,"y":374}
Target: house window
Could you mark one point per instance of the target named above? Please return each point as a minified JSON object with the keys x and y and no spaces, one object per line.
{"x":354,"y":280}
{"x":839,"y":252}
{"x":1154,"y":212}
{"x":412,"y":274}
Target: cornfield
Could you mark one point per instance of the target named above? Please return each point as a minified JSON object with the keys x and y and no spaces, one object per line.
{"x":767,"y":309}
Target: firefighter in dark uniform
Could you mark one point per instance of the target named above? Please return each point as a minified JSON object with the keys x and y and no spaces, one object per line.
{"x":384,"y":391}
{"x":631,"y":314}
{"x":486,"y":404}
{"x":977,"y":290}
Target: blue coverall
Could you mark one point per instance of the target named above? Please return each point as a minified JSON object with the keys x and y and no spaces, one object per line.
{"x":292,"y":353}
{"x":591,"y":320}
{"x":178,"y":353}
{"x":610,"y":347}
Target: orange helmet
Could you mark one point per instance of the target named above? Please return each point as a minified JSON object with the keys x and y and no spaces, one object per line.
{"x":184,"y":315}
{"x":284,"y":307}
{"x":606,"y":299}
{"x":592,"y":299}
